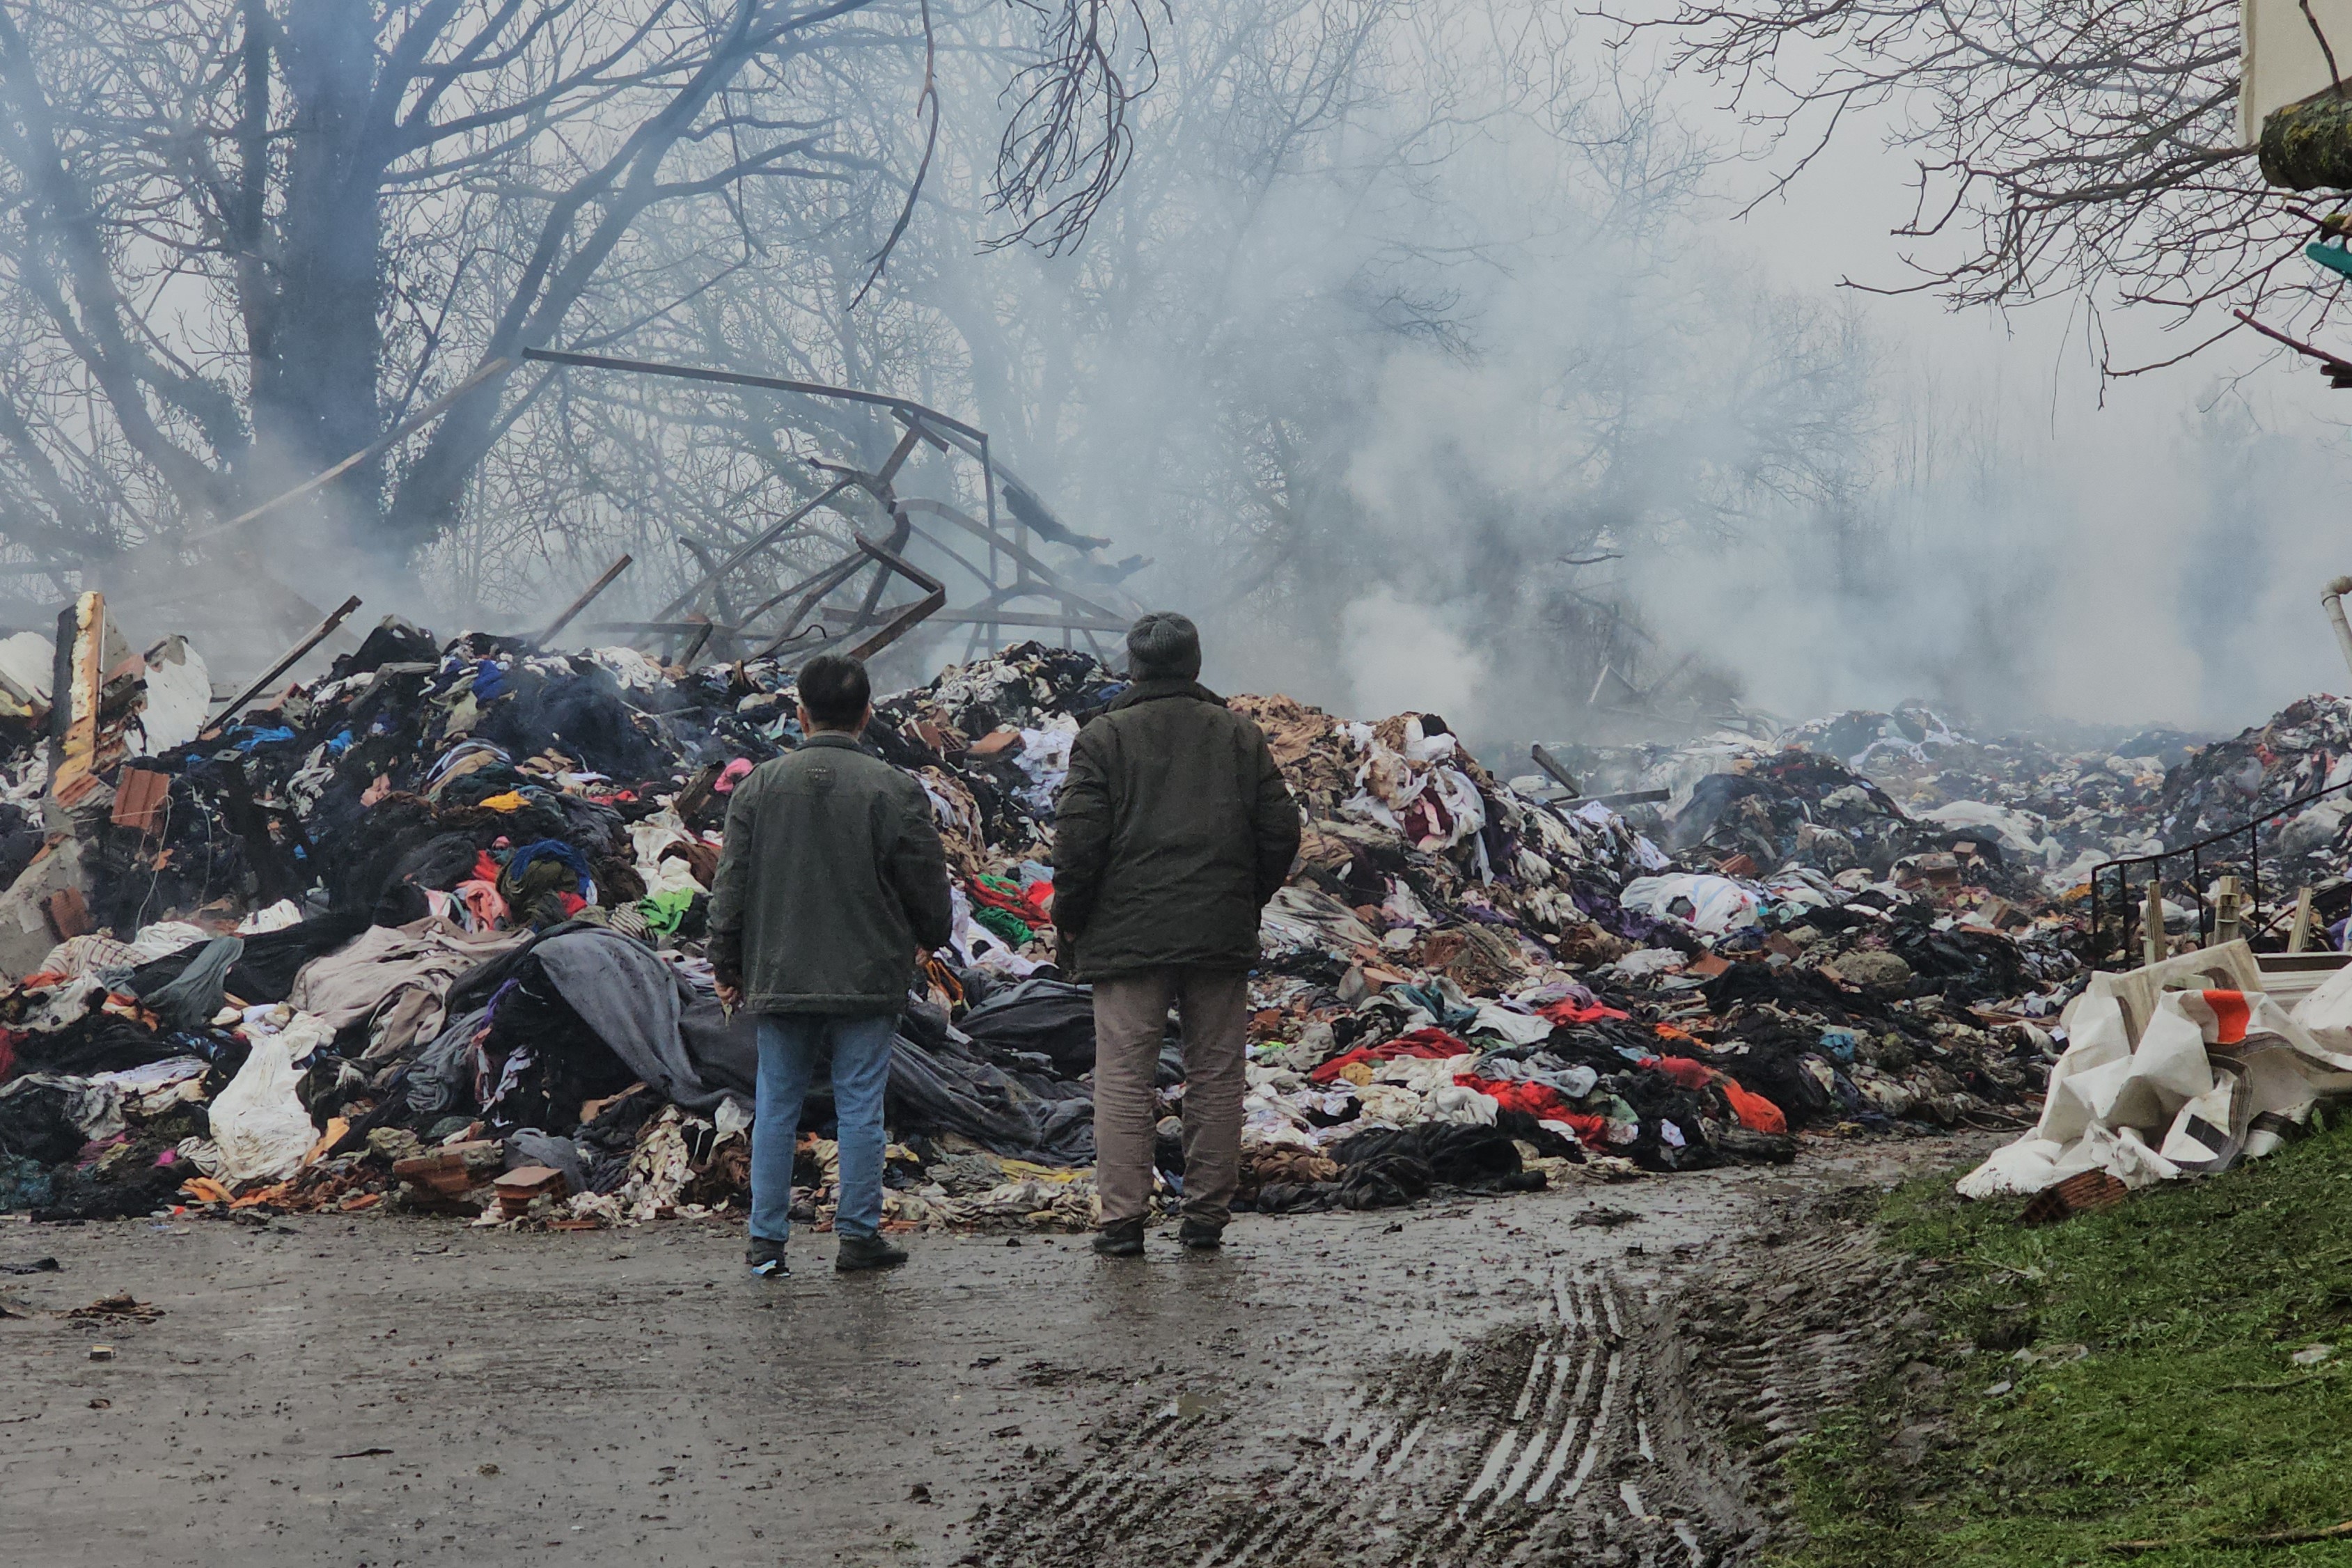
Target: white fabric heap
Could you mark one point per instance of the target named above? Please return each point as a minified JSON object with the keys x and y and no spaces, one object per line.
{"x":1513,"y":1023}
{"x":258,"y":1125}
{"x":1307,"y":920}
{"x":166,"y":937}
{"x":1723,"y":904}
{"x":630,"y":668}
{"x":2019,"y":832}
{"x":2215,"y":1077}
{"x":285,"y":913}
{"x":647,"y":839}
{"x":1045,"y":757}
{"x":1388,"y":782}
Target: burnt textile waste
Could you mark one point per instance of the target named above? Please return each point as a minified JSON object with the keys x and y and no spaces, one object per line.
{"x":428,"y":933}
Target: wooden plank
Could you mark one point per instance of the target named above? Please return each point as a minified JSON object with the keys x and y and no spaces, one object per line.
{"x":319,"y":634}
{"x":1559,"y":775}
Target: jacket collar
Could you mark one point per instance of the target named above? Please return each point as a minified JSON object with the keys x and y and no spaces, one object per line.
{"x":832,"y":738}
{"x":1153,"y":690}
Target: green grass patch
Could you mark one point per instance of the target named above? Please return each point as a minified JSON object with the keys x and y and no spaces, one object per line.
{"x":2158,"y":1396}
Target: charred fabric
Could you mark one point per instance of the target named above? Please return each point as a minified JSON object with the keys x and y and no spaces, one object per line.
{"x":427,"y":933}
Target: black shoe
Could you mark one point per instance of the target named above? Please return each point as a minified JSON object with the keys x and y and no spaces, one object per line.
{"x":1124,"y":1239}
{"x":858,"y":1253}
{"x":766,"y":1259}
{"x":1200,"y":1236}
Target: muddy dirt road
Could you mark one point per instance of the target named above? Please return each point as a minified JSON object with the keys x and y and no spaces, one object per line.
{"x":1493,"y":1382}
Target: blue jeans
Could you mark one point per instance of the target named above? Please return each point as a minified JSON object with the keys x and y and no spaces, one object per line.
{"x":791,"y":1045}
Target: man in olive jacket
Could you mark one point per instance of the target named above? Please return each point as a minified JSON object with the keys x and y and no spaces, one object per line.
{"x":832,"y":883}
{"x":1173,"y":831}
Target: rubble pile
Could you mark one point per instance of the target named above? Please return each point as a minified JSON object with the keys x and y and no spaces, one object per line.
{"x":2037,"y":812}
{"x":428,"y":933}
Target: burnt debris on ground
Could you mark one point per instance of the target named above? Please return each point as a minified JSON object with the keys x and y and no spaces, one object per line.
{"x":428,"y":931}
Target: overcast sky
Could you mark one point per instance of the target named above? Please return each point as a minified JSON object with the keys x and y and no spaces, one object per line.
{"x":2190,"y":587}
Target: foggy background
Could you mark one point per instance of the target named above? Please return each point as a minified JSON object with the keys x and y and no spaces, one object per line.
{"x":1426,"y":360}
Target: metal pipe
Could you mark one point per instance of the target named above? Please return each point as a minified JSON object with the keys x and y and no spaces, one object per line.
{"x":2333,"y":602}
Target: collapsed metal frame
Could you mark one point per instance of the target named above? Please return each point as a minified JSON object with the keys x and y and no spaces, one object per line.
{"x":795,"y":621}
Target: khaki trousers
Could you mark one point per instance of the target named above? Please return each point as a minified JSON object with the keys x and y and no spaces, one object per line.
{"x":1131,"y":1020}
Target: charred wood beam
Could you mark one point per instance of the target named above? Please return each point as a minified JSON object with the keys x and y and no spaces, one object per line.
{"x":319,"y":634}
{"x":572,"y":612}
{"x":947,"y":427}
{"x":935,"y":596}
{"x":764,"y":383}
{"x":767,"y":537}
{"x":1053,"y":579}
{"x":1029,"y":618}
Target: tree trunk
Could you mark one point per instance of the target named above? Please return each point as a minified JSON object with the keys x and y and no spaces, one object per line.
{"x":2307,"y":146}
{"x":314,"y":392}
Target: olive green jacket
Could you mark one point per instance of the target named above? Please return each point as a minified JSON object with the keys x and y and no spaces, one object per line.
{"x":832,"y":878}
{"x":1173,"y":832}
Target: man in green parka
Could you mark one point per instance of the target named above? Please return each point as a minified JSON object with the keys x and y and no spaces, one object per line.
{"x":1173,"y":831}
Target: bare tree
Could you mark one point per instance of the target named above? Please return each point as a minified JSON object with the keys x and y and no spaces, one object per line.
{"x":1329,"y":205}
{"x":243,"y":240}
{"x":2059,"y":147}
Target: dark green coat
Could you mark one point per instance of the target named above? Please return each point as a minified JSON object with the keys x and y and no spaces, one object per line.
{"x":832,"y":878}
{"x":1173,"y":831}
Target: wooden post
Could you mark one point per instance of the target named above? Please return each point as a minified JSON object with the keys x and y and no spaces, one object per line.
{"x":2298,"y":935}
{"x":1545,"y":760}
{"x":2152,"y":933}
{"x":2229,"y":910}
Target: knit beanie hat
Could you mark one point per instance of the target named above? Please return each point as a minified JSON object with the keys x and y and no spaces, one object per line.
{"x":1163,"y":646}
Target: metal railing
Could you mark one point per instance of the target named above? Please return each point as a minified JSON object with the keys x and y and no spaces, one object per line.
{"x":2128,"y":905}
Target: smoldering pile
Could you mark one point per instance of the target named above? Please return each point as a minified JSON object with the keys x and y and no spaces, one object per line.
{"x":429,"y":932}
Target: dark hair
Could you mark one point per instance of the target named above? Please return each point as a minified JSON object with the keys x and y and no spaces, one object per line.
{"x":835,"y":691}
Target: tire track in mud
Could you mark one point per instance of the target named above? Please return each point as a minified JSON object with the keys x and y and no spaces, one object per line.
{"x":1618,"y":1423}
{"x":1477,"y":1452}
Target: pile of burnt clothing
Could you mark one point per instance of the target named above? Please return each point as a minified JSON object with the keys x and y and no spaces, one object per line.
{"x":495,"y":865}
{"x":1670,"y":1066}
{"x":431,"y":929}
{"x":1453,"y":952}
{"x":1790,"y":808}
{"x":1391,"y":1167}
{"x":2056,"y":798}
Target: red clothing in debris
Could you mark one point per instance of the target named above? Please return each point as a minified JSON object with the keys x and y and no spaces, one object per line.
{"x":1755,"y":1113}
{"x":1568,"y":1010}
{"x":1539,"y":1101}
{"x":1434,"y":1045}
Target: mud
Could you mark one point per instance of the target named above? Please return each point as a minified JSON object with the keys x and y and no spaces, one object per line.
{"x":1495,"y":1381}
